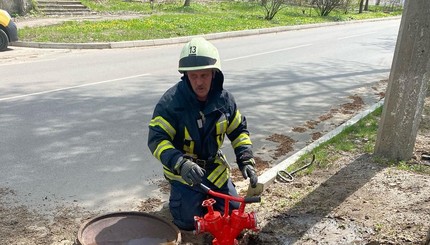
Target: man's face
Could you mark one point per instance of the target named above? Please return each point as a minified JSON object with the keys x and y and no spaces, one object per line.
{"x":201,"y":82}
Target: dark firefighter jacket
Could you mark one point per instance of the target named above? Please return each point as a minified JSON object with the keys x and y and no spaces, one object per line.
{"x":181,"y":127}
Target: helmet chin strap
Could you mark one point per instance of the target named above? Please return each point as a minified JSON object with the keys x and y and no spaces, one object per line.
{"x":213,"y":81}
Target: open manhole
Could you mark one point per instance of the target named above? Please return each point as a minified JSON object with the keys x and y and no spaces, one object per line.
{"x":128,"y":228}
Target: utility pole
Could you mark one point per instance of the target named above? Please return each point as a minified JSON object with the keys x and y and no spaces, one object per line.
{"x":407,"y":84}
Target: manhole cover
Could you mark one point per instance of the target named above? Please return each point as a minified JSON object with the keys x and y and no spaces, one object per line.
{"x":128,"y":228}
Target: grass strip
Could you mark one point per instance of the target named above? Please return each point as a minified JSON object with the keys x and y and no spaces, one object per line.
{"x":357,"y":138}
{"x":169,"y":20}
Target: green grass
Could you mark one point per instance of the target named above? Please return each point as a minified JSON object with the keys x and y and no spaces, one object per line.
{"x":116,"y":6}
{"x":358,"y":138}
{"x":173,"y":20}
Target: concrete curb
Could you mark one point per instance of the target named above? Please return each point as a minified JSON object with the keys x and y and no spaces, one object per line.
{"x":269,"y":176}
{"x":176,"y":40}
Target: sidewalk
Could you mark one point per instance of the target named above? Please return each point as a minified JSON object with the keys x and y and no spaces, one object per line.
{"x":34,"y":22}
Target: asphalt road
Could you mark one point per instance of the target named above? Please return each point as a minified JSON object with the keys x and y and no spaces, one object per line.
{"x":73,"y":123}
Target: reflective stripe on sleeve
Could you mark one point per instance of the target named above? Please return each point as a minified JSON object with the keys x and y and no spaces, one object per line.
{"x":242,"y":139}
{"x":172,"y":176}
{"x":162,"y":146}
{"x":164,"y":124}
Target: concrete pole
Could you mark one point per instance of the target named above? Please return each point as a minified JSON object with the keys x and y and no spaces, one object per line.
{"x":407,"y":84}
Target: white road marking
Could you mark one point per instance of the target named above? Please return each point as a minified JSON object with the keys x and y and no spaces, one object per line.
{"x":24,"y":62}
{"x":357,"y":35}
{"x":269,"y":52}
{"x":72,"y":87}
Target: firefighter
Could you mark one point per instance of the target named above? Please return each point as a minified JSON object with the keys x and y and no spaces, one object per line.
{"x":188,"y":128}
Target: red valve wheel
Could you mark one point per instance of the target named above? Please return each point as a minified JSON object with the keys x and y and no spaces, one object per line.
{"x":208,"y":202}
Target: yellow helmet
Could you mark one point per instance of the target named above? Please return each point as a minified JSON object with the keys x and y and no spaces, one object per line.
{"x":199,"y":54}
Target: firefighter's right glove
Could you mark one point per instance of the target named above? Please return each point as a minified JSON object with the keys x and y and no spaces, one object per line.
{"x":248,"y":170}
{"x":190,"y":171}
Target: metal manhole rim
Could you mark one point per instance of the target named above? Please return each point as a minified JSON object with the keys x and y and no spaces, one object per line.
{"x":97,"y":218}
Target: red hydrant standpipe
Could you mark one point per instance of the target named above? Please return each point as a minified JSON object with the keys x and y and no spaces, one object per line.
{"x":226,"y":228}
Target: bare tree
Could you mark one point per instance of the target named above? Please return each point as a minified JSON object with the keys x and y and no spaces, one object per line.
{"x":271,"y":8}
{"x":324,"y":7}
{"x":346,"y":5}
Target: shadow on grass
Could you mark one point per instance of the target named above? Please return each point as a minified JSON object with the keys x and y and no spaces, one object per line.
{"x":291,"y":225}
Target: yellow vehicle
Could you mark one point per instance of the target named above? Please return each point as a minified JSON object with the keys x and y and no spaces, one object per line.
{"x":8,"y":30}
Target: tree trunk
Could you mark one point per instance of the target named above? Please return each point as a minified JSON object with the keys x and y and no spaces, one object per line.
{"x":360,"y":10}
{"x":366,"y":6}
{"x":407,"y":84}
{"x":378,"y":2}
{"x":187,"y":3}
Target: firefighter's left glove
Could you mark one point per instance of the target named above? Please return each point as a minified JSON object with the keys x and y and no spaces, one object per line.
{"x":190,"y":171}
{"x":248,"y":171}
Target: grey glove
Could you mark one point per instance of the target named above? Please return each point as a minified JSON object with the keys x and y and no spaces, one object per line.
{"x":248,"y":170}
{"x":190,"y":171}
